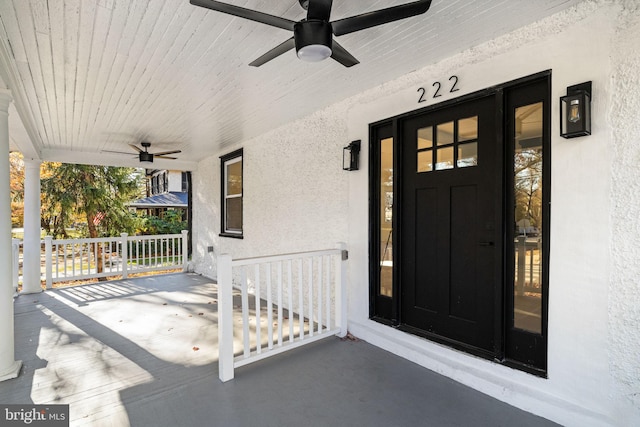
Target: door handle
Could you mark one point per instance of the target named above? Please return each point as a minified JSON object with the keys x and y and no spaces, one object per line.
{"x":486,"y":243}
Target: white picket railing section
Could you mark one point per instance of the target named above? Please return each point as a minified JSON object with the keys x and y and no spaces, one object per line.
{"x":78,"y":259}
{"x":305,"y":292}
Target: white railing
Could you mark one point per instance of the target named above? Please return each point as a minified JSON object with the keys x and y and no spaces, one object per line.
{"x":305,"y":292}
{"x":78,"y":259}
{"x":528,"y":265}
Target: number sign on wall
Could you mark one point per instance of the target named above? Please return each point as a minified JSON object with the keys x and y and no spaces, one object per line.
{"x":438,"y":88}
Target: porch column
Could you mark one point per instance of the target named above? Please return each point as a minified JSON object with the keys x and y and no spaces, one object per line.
{"x":31,"y":249}
{"x":9,"y":367}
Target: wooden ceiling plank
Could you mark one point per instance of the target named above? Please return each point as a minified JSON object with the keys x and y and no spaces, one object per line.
{"x":31,"y":71}
{"x":71,"y":40}
{"x":108,"y":70}
{"x":143,"y":78}
{"x":39,"y":13}
{"x":57,"y":51}
{"x":167,"y":71}
{"x":97,"y":30}
{"x":139,"y":55}
{"x":15,"y":44}
{"x":127,"y":57}
{"x":84,"y":33}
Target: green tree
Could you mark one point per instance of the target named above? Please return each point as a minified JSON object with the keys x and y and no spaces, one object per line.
{"x":95,"y":194}
{"x":16,"y":174}
{"x":170,"y":223}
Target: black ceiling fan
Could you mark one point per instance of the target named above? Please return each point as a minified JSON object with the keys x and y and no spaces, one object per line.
{"x":144,"y":155}
{"x":313,"y":36}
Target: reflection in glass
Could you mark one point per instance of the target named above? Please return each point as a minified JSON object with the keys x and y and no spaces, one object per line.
{"x":467,"y":155}
{"x":386,"y":217}
{"x":234,"y":178}
{"x":468,"y":129}
{"x":445,"y":158}
{"x":234,"y":214}
{"x":528,"y":225}
{"x":425,"y":161}
{"x":445,"y":133}
{"x":425,"y":138}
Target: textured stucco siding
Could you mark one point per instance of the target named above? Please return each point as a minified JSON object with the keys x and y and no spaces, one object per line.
{"x":298,"y":198}
{"x":624,"y":286}
{"x":295,"y":193}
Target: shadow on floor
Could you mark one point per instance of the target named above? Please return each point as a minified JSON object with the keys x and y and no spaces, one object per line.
{"x":145,"y":355}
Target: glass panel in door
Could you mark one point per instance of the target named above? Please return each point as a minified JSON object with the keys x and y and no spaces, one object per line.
{"x":386,"y":217}
{"x":527,"y":173}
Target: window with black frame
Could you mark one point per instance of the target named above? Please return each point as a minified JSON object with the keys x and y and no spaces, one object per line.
{"x":231,"y":191}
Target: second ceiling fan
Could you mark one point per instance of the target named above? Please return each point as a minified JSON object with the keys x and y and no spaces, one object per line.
{"x":313,"y":36}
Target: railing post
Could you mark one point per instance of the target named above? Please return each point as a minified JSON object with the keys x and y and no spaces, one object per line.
{"x":522,"y":258}
{"x":124,"y":254}
{"x":225,"y":318}
{"x":185,"y":250}
{"x":48,"y":260}
{"x":15,"y":249}
{"x":341,"y":289}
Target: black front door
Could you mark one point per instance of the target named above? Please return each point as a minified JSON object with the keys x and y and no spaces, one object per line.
{"x":451,"y":224}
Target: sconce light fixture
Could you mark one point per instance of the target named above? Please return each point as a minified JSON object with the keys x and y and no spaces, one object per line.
{"x":575,"y":111}
{"x":351,"y":156}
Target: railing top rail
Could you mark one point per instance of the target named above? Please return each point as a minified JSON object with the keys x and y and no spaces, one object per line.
{"x":86,"y":240}
{"x":154,"y":236}
{"x":283,"y":257}
{"x":114,"y":239}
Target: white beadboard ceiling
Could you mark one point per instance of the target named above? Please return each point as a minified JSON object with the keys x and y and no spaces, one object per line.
{"x":94,"y":75}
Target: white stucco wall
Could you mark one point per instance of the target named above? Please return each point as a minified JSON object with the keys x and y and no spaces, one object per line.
{"x":298,"y":198}
{"x":295,"y":193}
{"x":624,"y":285}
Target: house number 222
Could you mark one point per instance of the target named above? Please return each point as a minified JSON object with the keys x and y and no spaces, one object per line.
{"x":438,"y":89}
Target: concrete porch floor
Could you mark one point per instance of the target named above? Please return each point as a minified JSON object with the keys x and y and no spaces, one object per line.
{"x":143,"y":352}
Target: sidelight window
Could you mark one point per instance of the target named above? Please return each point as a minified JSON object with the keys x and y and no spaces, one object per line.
{"x":527,"y":171}
{"x":386,"y":217}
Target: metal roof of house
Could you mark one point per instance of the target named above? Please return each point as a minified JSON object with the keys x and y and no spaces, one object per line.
{"x":172,"y":199}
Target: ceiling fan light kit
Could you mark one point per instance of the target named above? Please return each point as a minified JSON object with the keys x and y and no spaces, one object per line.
{"x":313,"y":36}
{"x":145,"y":157}
{"x":313,"y":40}
{"x":314,"y":53}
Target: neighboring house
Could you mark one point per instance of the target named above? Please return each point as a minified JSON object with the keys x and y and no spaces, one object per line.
{"x":456,"y":157}
{"x":166,"y":190}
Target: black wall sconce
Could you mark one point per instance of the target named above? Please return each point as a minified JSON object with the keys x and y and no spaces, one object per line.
{"x":575,"y":111}
{"x":351,"y":156}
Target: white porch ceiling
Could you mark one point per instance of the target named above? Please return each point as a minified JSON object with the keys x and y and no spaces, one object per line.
{"x":94,"y":75}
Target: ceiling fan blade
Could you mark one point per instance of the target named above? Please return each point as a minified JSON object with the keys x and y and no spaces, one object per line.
{"x":167,"y":152}
{"x":379,"y":17}
{"x":117,"y":152}
{"x":274,"y":53}
{"x":164,"y":157}
{"x":319,"y":9}
{"x":253,"y":15}
{"x":341,"y":55}
{"x":139,"y":150}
